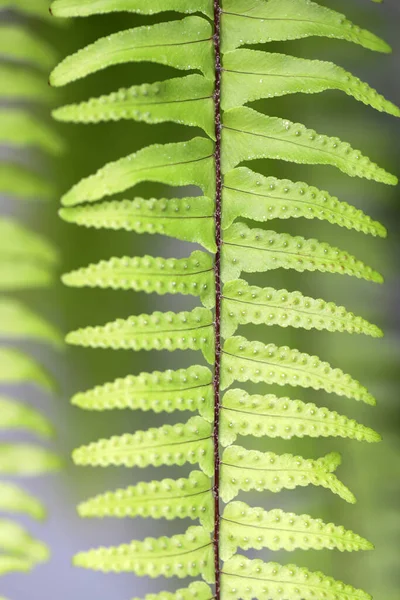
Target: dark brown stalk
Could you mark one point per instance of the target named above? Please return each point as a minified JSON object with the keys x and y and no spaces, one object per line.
{"x":218,"y":291}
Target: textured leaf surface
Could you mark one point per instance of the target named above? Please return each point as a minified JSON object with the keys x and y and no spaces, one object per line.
{"x":246,"y":579}
{"x":185,"y":163}
{"x":187,"y":219}
{"x":252,"y":470}
{"x":245,"y":527}
{"x":256,"y":250}
{"x":271,"y":416}
{"x":27,"y":460}
{"x":18,"y":242}
{"x":15,"y":540}
{"x":73,"y":8}
{"x":165,"y":43}
{"x":186,"y":389}
{"x":243,"y":304}
{"x":280,"y":20}
{"x":18,"y":321}
{"x":247,"y":135}
{"x":17,"y":43}
{"x":254,"y":361}
{"x":251,"y":195}
{"x":167,"y":445}
{"x":251,"y":75}
{"x":167,"y":499}
{"x":158,"y":331}
{"x":14,"y":415}
{"x":14,"y":499}
{"x":189,"y":276}
{"x":17,"y":181}
{"x":19,"y":368}
{"x":187,"y":101}
{"x":23,"y":85}
{"x":189,"y":554}
{"x":18,"y":128}
{"x":196,"y":591}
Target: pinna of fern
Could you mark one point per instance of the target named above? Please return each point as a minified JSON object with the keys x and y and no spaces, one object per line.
{"x":224,"y":78}
{"x":27,"y":263}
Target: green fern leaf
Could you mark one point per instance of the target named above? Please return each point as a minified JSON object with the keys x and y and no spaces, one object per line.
{"x":16,"y":541}
{"x":281,"y":20}
{"x":158,"y":331}
{"x":247,"y":134}
{"x":183,"y":390}
{"x":17,"y":367}
{"x":252,"y":470}
{"x":256,"y":250}
{"x":246,"y":579}
{"x":185,"y":163}
{"x":243,"y":304}
{"x":187,"y":101}
{"x":250,"y":75}
{"x":189,"y":276}
{"x":271,"y":416}
{"x":188,"y":219}
{"x":188,"y":554}
{"x":23,"y":274}
{"x":164,"y":43}
{"x":251,"y":195}
{"x":168,"y":445}
{"x":12,"y":564}
{"x":22,"y":84}
{"x":16,"y":500}
{"x":245,"y":527}
{"x":72,"y":8}
{"x":18,"y":242}
{"x":38,"y":9}
{"x":18,"y":321}
{"x":18,"y":128}
{"x":19,"y":44}
{"x":16,"y":180}
{"x":14,"y":415}
{"x":167,"y":499}
{"x":27,"y":460}
{"x":254,"y":361}
{"x":196,"y":591}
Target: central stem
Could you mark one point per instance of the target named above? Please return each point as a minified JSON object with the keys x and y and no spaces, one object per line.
{"x":218,"y":291}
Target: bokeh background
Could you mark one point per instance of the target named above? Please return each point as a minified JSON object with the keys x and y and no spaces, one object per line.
{"x":372,"y":471}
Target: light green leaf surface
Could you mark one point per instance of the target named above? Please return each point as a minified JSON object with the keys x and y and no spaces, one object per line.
{"x":258,"y":22}
{"x":14,"y":499}
{"x":246,"y":528}
{"x":254,"y":361}
{"x":39,"y":8}
{"x":16,"y":180}
{"x":247,"y":579}
{"x":168,"y":445}
{"x":167,"y":43}
{"x":186,"y":555}
{"x":270,"y":416}
{"x":246,"y":470}
{"x":74,"y":8}
{"x":169,"y":499}
{"x":18,"y":321}
{"x":256,"y":250}
{"x":19,"y":242}
{"x":251,"y":75}
{"x":15,"y":540}
{"x":15,"y":415}
{"x":26,"y":460}
{"x":20,"y":44}
{"x":14,"y":564}
{"x":23,"y":84}
{"x":187,"y":101}
{"x":248,"y":134}
{"x":23,"y":274}
{"x":189,"y":219}
{"x":19,"y":128}
{"x":169,"y":391}
{"x":185,"y":163}
{"x":19,"y":368}
{"x":243,"y":304}
{"x":251,"y":195}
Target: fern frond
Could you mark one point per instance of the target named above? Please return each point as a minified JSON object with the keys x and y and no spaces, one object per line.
{"x":18,"y":367}
{"x":245,"y":528}
{"x":158,"y":331}
{"x":251,"y":195}
{"x":14,"y":499}
{"x":186,"y":555}
{"x":12,"y":564}
{"x":19,"y":243}
{"x":271,"y":416}
{"x":72,"y":8}
{"x":184,"y":163}
{"x":19,"y":182}
{"x":257,"y":362}
{"x":18,"y":321}
{"x":256,"y":250}
{"x":27,"y":460}
{"x":247,"y":135}
{"x":183,"y":390}
{"x":168,"y":445}
{"x":16,"y":541}
{"x":243,"y":304}
{"x":167,"y":499}
{"x":15,"y":415}
{"x":246,"y":579}
{"x":21,"y":45}
{"x":188,"y":219}
{"x":261,"y":22}
{"x":245,"y":470}
{"x":20,"y":84}
{"x":21,"y":129}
